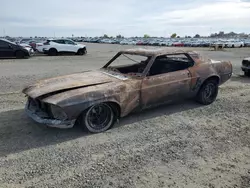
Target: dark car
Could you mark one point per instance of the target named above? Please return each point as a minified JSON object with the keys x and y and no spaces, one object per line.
{"x":246,"y":66}
{"x":10,"y":49}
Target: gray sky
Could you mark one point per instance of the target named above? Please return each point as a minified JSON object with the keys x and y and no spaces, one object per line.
{"x":125,"y":17}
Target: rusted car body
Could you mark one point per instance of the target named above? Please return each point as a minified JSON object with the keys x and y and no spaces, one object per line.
{"x":58,"y":102}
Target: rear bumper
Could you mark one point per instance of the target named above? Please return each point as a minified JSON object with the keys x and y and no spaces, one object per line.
{"x":39,"y":49}
{"x":245,"y":68}
{"x":38,"y":116}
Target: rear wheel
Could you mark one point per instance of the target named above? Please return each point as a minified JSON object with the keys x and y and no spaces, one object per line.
{"x":208,"y":92}
{"x":52,"y":52}
{"x":20,"y":54}
{"x":98,"y":118}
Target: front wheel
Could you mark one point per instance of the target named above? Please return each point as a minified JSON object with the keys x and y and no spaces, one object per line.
{"x":208,"y":92}
{"x":82,"y":51}
{"x":98,"y":118}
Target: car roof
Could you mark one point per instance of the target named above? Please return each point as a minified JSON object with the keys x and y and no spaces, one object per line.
{"x":60,"y":39}
{"x":155,"y":52}
{"x":4,"y":40}
{"x":8,"y":41}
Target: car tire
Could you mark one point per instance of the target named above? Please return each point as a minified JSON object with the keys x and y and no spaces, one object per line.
{"x":82,"y":51}
{"x":98,"y":118}
{"x":52,"y":52}
{"x":233,"y":46}
{"x":20,"y":54}
{"x":247,"y":73}
{"x":208,"y":92}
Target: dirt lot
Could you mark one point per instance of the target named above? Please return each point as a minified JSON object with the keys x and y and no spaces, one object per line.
{"x":180,"y":145}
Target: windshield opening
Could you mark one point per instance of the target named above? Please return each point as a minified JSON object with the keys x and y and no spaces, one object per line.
{"x":129,"y":64}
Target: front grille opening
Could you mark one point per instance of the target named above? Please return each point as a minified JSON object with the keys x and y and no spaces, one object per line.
{"x":40,"y":107}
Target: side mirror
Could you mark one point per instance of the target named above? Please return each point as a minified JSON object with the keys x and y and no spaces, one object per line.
{"x":10,"y":46}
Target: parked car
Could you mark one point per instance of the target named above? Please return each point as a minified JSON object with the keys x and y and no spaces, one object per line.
{"x":24,"y":40}
{"x":234,"y":44}
{"x":55,"y":46}
{"x":178,"y":44}
{"x":246,"y":66}
{"x":11,"y":49}
{"x":247,"y":44}
{"x":96,"y":99}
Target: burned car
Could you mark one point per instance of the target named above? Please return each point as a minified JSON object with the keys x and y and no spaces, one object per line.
{"x":133,"y":80}
{"x":246,"y":66}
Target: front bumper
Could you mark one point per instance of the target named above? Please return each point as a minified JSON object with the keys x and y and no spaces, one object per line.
{"x":41,"y":117}
{"x":30,"y":51}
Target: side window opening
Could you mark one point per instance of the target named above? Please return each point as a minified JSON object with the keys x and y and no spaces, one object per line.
{"x":170,"y":63}
{"x":130,"y":64}
{"x":59,"y":41}
{"x":4,"y":44}
{"x":69,"y":42}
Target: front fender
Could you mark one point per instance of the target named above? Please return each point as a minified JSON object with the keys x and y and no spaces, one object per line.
{"x":75,"y":110}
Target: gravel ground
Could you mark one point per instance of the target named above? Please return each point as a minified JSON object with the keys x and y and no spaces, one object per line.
{"x":179,"y":145}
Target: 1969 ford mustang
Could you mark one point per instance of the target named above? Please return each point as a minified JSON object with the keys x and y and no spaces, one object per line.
{"x":141,"y":78}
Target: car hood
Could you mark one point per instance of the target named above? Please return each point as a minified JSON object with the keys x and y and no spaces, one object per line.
{"x":64,"y":83}
{"x":81,"y":45}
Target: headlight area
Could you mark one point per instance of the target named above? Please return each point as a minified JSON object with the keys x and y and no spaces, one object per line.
{"x":57,"y":112}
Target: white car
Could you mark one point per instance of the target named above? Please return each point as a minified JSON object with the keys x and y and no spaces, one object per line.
{"x":234,"y":44}
{"x":131,"y":42}
{"x":55,"y":46}
{"x":124,"y":42}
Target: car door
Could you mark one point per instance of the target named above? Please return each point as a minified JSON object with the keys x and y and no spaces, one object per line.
{"x":165,"y":87}
{"x":6,"y":49}
{"x":71,"y":46}
{"x":60,"y":45}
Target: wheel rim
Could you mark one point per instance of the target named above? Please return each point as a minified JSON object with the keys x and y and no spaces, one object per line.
{"x":99,"y":116}
{"x":209,"y":91}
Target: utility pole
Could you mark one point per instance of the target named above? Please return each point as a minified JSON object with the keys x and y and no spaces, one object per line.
{"x":3,"y":32}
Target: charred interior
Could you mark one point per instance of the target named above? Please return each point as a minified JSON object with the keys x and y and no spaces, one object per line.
{"x":161,"y":64}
